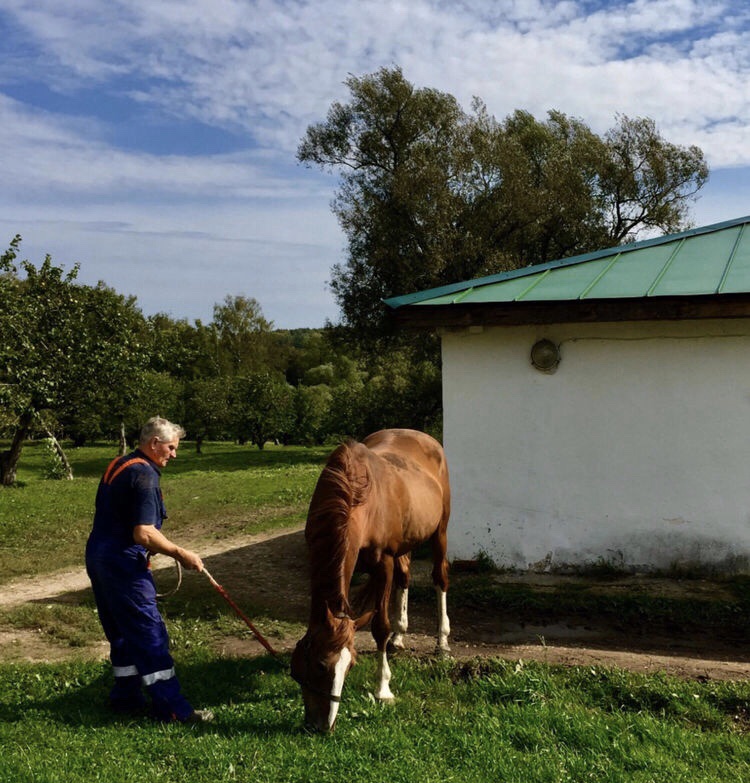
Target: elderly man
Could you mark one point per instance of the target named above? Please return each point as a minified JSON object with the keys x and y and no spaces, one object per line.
{"x":126,"y":532}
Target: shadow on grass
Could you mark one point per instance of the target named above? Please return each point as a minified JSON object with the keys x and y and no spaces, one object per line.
{"x":269,"y":582}
{"x":237,"y":690}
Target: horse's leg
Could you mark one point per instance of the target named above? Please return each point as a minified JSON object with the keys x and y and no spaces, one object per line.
{"x":401,"y":616}
{"x":440,"y":580}
{"x":381,"y":625}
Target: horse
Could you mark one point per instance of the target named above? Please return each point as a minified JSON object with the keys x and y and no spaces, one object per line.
{"x":374,"y":502}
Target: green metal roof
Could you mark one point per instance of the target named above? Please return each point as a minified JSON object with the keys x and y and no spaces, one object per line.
{"x":703,"y":261}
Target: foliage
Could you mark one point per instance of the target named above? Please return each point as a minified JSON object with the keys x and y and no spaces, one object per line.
{"x":207,"y":415}
{"x":312,"y":407}
{"x":244,"y":339}
{"x":157,"y":394}
{"x":54,"y":468}
{"x":431,"y":195}
{"x":399,"y":388}
{"x":261,"y":408}
{"x":186,"y":351}
{"x":67,"y":347}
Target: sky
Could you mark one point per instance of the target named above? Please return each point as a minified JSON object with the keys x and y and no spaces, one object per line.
{"x":154,"y":141}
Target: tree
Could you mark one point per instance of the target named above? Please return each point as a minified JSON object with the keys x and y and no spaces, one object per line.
{"x":243,"y":337}
{"x":65,"y":348}
{"x":261,"y":408}
{"x":431,"y":195}
{"x":395,"y":146}
{"x":530,"y":192}
{"x":157,"y":394}
{"x":207,"y":410}
{"x":647,"y":181}
{"x":312,"y":405}
{"x":186,"y":351}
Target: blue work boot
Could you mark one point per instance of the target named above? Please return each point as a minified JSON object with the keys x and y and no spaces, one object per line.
{"x":167,"y":702}
{"x":126,"y":696}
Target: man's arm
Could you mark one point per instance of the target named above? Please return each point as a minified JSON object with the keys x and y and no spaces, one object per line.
{"x":155,"y":541}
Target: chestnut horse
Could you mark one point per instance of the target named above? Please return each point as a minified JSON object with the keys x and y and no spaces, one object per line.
{"x":374,"y":502}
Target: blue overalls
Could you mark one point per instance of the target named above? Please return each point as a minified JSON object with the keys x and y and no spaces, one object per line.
{"x":129,"y":494}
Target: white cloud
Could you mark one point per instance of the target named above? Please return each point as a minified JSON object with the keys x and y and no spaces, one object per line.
{"x":41,"y":154}
{"x":271,"y":67}
{"x":265,"y":69}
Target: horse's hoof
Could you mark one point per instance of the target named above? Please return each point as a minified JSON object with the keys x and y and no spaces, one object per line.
{"x":395,"y":645}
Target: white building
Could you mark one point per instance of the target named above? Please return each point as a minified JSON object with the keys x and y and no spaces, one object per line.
{"x":629,"y":443}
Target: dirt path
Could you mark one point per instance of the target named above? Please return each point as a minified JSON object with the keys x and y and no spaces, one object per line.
{"x":250,"y":568}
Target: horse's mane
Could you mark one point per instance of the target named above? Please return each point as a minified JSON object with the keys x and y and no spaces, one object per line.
{"x":343,"y":484}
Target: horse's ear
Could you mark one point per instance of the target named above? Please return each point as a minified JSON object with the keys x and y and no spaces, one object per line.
{"x":362,"y":620}
{"x":338,"y":615}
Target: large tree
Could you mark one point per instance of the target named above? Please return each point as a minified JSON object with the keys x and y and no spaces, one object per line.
{"x":430,"y":194}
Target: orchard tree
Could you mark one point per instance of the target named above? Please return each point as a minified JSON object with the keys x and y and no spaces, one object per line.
{"x":157,"y":394}
{"x":207,"y":410}
{"x":431,"y":195}
{"x":185,"y":351}
{"x":261,"y":408}
{"x":312,"y":406}
{"x":64,"y":346}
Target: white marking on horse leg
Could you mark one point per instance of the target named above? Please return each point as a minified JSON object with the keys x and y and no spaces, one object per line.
{"x":401,"y":621}
{"x":383,"y":691}
{"x":444,"y":626}
{"x":339,"y":674}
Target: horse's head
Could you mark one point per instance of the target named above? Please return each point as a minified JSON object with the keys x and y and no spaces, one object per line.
{"x":320,"y":663}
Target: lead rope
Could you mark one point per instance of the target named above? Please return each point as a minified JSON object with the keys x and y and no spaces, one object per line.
{"x":177,"y":586}
{"x":258,"y":635}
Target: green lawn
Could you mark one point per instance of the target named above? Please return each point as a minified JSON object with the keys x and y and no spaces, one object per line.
{"x":477,"y":721}
{"x":228,"y":490}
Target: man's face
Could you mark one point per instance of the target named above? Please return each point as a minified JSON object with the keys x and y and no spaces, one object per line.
{"x":163,"y":450}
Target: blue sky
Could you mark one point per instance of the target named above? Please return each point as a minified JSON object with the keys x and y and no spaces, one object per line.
{"x":153,"y":141}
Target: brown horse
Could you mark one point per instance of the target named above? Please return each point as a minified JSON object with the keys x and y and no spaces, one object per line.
{"x":374,"y":502}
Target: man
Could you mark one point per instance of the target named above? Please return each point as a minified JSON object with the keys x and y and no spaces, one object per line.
{"x":126,"y":532}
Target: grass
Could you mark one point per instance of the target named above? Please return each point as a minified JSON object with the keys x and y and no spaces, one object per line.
{"x":479,"y":720}
{"x":228,"y":490}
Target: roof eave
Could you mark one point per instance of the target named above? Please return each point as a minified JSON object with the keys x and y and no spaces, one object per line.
{"x":575,"y":311}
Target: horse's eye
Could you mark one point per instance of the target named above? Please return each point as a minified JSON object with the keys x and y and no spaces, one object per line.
{"x":321,"y":666}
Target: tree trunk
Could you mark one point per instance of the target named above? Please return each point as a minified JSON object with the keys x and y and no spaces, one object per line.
{"x":123,"y":440}
{"x":9,"y":459}
{"x":61,"y":454}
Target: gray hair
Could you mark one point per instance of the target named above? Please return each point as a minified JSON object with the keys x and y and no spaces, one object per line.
{"x":162,"y":429}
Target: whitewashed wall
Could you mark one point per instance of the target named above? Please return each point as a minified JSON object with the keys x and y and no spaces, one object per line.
{"x":634,"y":452}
